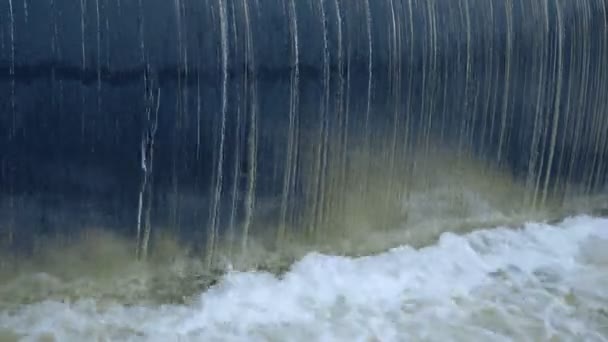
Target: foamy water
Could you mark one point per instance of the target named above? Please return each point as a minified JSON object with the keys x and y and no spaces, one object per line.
{"x":541,"y":282}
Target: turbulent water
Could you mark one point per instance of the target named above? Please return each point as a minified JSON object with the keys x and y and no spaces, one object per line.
{"x":244,"y":170}
{"x":537,"y":282}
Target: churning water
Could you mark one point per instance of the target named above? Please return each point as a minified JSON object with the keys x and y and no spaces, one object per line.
{"x":245,"y":169}
{"x":537,"y":282}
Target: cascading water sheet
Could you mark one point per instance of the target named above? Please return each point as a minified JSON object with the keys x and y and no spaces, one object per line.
{"x":152,"y":145}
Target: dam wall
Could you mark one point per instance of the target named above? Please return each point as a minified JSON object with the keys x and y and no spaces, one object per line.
{"x":220,"y":119}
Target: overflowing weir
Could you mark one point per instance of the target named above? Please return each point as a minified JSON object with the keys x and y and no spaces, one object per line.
{"x":225,"y":123}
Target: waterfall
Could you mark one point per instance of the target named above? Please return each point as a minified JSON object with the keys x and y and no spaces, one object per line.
{"x":286,"y":123}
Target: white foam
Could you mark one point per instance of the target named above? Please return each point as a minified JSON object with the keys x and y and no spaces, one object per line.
{"x":534,"y":283}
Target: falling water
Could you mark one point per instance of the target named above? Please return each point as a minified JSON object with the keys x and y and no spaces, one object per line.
{"x":83,"y":8}
{"x":291,"y":158}
{"x":25,"y":10}
{"x":247,"y":133}
{"x":12,"y":62}
{"x":213,"y":226}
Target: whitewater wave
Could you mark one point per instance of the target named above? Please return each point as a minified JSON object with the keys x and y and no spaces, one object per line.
{"x":539,"y":282}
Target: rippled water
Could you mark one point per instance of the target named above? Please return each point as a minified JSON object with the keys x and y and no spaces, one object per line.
{"x":539,"y":282}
